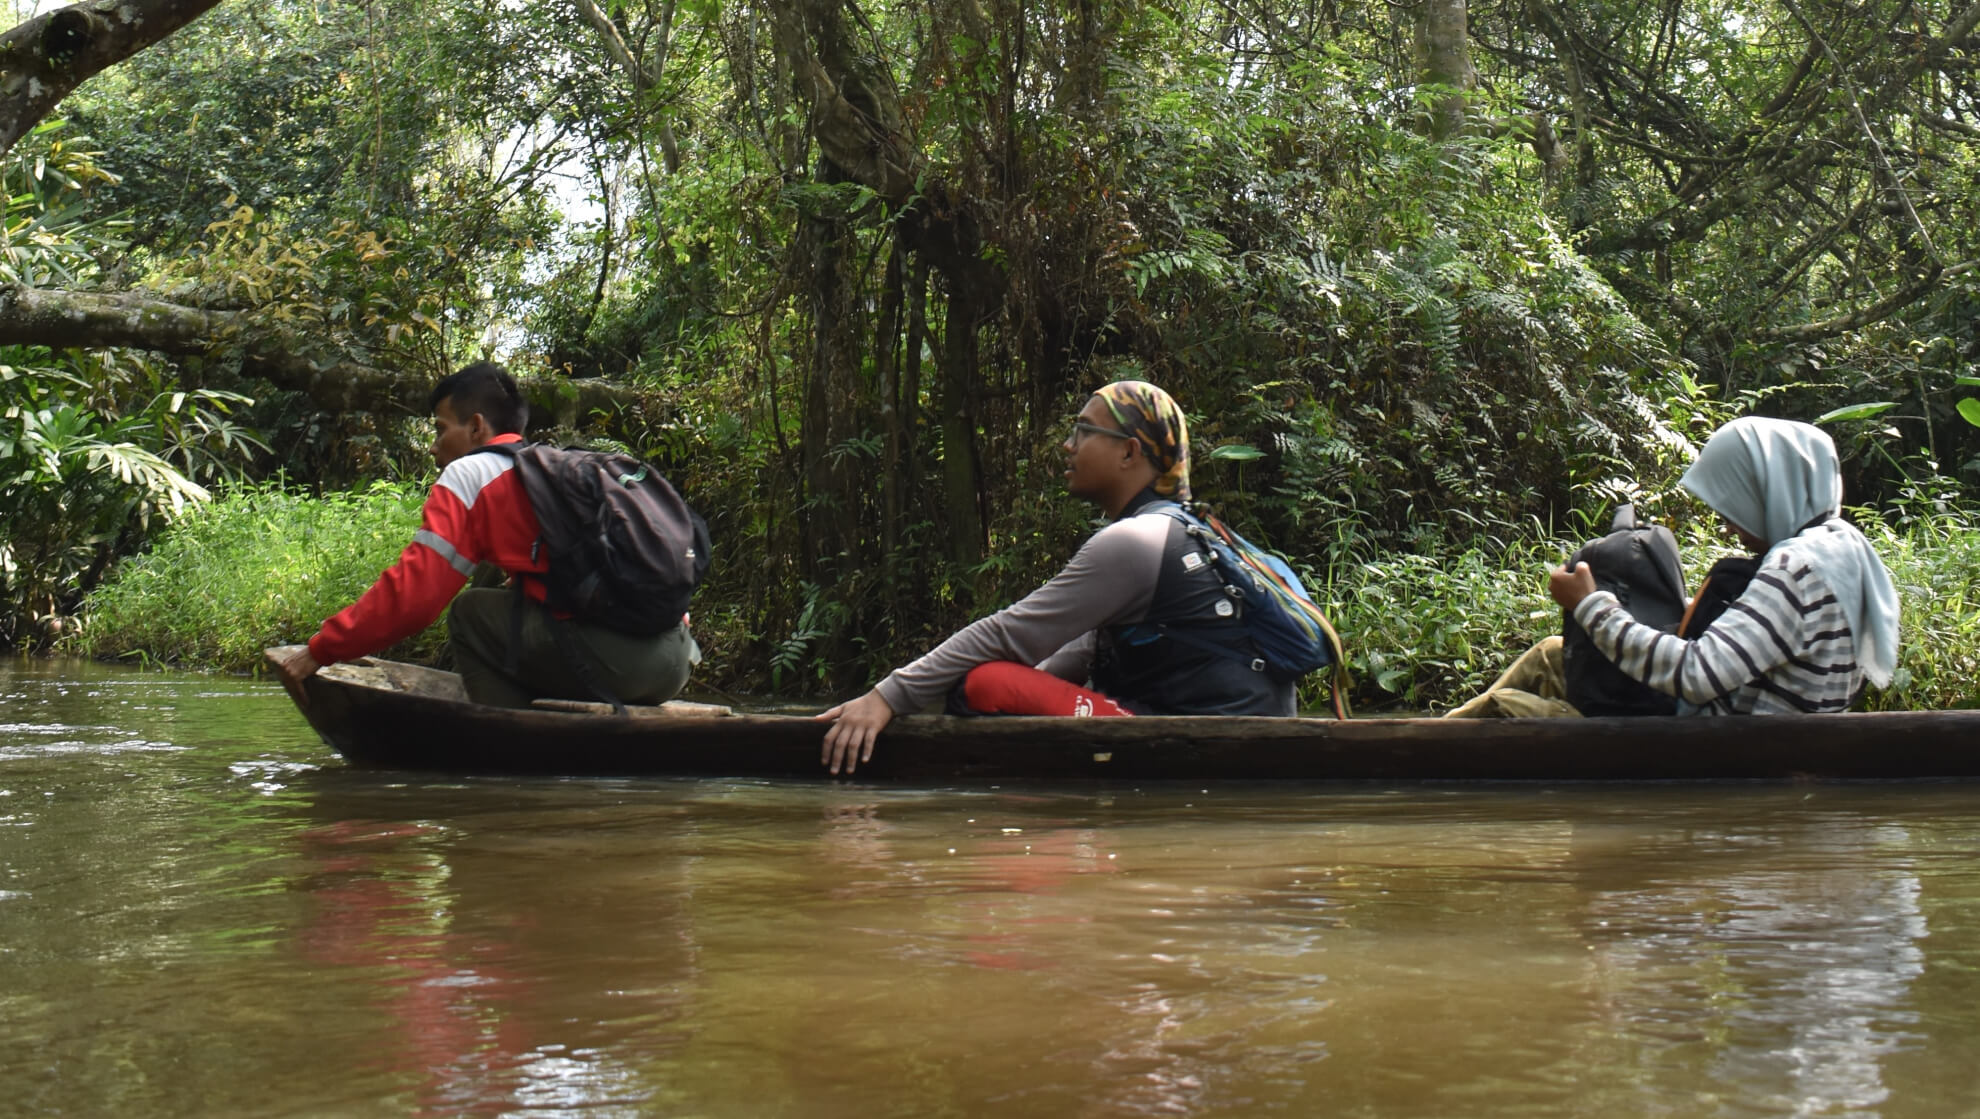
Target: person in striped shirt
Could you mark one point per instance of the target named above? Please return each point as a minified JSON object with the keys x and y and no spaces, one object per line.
{"x":1820,"y":616}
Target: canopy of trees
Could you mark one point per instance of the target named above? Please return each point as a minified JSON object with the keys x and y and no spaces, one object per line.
{"x":1419,"y":271}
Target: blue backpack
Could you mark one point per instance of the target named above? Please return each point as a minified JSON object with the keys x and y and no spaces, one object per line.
{"x":1293,"y":636}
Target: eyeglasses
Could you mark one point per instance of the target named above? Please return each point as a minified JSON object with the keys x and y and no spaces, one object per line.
{"x":1081,"y":427}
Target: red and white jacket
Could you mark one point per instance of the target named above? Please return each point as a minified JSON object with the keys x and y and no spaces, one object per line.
{"x":476,"y":513}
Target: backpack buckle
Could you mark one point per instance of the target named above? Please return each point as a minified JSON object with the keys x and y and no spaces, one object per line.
{"x":1258,"y":664}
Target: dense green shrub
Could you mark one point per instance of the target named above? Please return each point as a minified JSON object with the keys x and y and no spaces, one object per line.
{"x":1424,"y":631}
{"x":257,"y":566}
{"x":1935,"y":560}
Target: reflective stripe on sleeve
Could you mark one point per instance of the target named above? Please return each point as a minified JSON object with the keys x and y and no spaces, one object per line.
{"x":446,"y":550}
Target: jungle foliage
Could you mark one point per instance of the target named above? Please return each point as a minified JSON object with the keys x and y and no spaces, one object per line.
{"x":95,"y":448}
{"x":1432,"y":280}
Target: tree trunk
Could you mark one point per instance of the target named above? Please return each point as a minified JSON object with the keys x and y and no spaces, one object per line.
{"x":44,"y":59}
{"x":1580,"y":103}
{"x":832,"y":401}
{"x":886,"y":367}
{"x":1443,"y":58}
{"x":854,"y":116}
{"x":961,"y":483}
{"x":917,"y":339}
{"x":857,"y":122}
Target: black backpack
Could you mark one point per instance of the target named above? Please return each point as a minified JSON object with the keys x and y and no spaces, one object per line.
{"x":623,"y":550}
{"x":1637,"y":563}
{"x":1725,"y":582}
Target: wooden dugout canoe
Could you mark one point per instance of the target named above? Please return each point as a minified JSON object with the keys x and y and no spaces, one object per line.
{"x":386,"y":714}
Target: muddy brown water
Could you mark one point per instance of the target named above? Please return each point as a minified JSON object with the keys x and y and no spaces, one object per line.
{"x":204,"y":912}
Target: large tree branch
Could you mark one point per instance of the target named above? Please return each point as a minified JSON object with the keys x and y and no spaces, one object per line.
{"x":46,"y":58}
{"x":1959,"y":27}
{"x":853,"y":116}
{"x":61,"y":319}
{"x":615,"y":45}
{"x":857,"y":121}
{"x":645,"y":78}
{"x":1882,"y":309}
{"x":1726,"y":176}
{"x":1893,"y":182}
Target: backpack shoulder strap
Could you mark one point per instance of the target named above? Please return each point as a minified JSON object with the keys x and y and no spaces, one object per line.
{"x":1214,"y":534}
{"x":506,"y":450}
{"x":1188,"y":519}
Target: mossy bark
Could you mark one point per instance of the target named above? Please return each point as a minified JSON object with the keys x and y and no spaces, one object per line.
{"x":44,"y":59}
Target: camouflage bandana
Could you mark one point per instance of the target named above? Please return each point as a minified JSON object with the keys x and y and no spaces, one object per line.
{"x":1152,"y":417}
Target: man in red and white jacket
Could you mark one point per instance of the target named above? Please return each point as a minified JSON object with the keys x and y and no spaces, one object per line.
{"x":478,"y":513}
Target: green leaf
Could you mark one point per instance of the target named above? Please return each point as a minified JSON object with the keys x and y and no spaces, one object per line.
{"x":1971,"y":381}
{"x":1857,"y":411}
{"x":1236,"y":452}
{"x":1970,"y":408}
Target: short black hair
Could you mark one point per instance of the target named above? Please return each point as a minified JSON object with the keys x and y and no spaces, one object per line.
{"x":484,"y":388}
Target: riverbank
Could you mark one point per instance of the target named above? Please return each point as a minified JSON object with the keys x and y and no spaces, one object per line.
{"x":262,"y":566}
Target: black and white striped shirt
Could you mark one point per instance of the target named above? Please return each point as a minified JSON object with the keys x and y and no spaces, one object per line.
{"x":1783,"y":646}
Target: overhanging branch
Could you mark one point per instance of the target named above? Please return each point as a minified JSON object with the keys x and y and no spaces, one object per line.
{"x":1861,"y":317}
{"x":63,"y":320}
{"x":44,"y":59}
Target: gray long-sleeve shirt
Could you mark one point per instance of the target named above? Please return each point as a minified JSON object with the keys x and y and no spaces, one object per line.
{"x":1110,"y":581}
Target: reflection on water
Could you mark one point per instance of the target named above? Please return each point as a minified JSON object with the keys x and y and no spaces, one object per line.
{"x":204,"y":912}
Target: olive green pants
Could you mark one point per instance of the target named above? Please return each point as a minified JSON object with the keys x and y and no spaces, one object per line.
{"x":1535,"y":687}
{"x":636,"y":669}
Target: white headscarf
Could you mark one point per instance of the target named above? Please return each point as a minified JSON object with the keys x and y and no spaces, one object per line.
{"x":1772,"y":478}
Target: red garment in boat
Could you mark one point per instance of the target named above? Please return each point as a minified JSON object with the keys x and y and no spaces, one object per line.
{"x":1009,"y":688}
{"x":476,"y":513}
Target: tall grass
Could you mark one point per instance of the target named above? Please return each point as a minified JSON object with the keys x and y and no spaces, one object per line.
{"x":1429,"y":631}
{"x":257,"y":566}
{"x":1935,"y":562}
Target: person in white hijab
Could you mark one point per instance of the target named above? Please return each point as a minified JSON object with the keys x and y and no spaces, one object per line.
{"x":1778,"y":481}
{"x":1819,"y":617}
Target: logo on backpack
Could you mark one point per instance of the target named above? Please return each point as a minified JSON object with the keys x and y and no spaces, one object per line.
{"x":622,"y":549}
{"x":1637,"y":563}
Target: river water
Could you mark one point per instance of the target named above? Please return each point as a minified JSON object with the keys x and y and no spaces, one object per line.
{"x":203,"y":911}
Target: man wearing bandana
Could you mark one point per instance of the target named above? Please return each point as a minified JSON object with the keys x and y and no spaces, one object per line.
{"x":1136,"y":624}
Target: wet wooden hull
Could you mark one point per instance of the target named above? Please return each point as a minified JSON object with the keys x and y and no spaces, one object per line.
{"x":379,"y":713}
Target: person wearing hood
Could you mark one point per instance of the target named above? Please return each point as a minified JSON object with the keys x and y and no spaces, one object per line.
{"x":1820,"y":616}
{"x":1128,"y":627}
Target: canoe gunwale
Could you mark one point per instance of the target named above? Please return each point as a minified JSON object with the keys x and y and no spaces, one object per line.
{"x":378,"y":726}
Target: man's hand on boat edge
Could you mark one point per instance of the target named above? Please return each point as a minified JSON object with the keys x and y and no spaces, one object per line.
{"x":855,"y":724}
{"x":293,"y":670}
